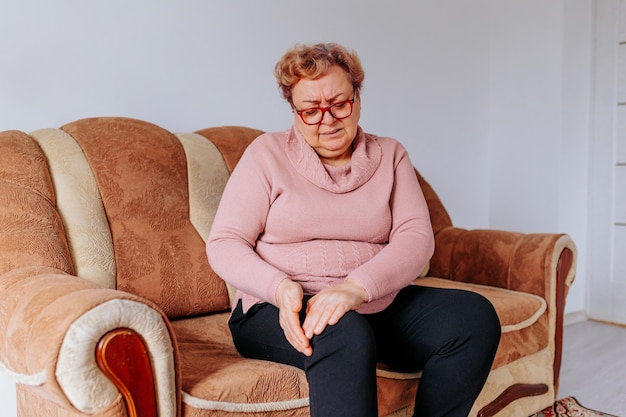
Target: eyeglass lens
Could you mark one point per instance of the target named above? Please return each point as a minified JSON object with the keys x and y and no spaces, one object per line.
{"x":315,"y":115}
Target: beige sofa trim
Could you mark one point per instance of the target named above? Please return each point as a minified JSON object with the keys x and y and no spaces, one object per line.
{"x":446,"y":283}
{"x":205,"y":165}
{"x":244,"y":407}
{"x":84,"y":218}
{"x":36,"y":379}
{"x":77,"y":373}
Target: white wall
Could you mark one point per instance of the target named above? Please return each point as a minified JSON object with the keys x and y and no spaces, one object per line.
{"x":489,"y":96}
{"x":193,"y":64}
{"x":539,"y":121}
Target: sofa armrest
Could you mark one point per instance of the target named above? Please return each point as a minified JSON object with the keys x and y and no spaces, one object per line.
{"x":543,"y":264}
{"x":511,"y":260}
{"x":52,"y":323}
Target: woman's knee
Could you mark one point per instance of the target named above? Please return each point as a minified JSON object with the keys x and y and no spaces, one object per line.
{"x":480,"y":319}
{"x":352,"y":337}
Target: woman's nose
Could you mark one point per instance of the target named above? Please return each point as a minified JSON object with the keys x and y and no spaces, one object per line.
{"x":330,"y":120}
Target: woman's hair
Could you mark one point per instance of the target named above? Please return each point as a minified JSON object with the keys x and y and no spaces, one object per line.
{"x":312,"y":61}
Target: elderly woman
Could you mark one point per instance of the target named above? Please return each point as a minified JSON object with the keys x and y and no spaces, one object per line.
{"x":322,"y":228}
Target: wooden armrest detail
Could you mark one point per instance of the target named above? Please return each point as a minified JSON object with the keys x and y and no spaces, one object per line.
{"x":566,"y":260}
{"x":123,"y":357}
{"x":511,"y":394}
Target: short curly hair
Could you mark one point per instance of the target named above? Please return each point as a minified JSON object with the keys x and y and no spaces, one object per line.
{"x":312,"y":61}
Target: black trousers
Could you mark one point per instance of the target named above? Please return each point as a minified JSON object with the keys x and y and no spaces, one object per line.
{"x":450,"y":335}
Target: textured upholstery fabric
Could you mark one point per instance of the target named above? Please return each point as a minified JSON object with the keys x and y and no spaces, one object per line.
{"x":522,"y":316}
{"x":159,"y":254}
{"x":208,"y":175}
{"x":230,"y":379}
{"x":103,"y":225}
{"x":32,"y":403}
{"x":80,"y":207}
{"x":27,"y":208}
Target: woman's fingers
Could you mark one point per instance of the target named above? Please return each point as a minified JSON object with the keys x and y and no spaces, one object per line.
{"x":290,"y":323}
{"x":324,"y":309}
{"x":289,"y":299}
{"x":331,"y":304}
{"x":328,"y":315}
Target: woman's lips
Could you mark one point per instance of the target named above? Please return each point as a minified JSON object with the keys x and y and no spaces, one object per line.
{"x":331,"y":133}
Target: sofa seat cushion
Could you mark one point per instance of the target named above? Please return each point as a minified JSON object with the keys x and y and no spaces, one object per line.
{"x":216,"y":377}
{"x":523,"y":318}
{"x":218,"y":381}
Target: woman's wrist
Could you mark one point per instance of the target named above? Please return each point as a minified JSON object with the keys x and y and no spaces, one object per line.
{"x":359,"y":289}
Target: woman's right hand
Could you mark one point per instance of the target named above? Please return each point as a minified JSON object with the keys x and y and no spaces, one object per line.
{"x":289,"y":301}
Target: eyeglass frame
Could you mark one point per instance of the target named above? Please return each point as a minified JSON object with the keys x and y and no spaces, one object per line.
{"x":327,"y":110}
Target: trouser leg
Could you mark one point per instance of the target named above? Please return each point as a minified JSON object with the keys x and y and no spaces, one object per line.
{"x":451,"y":335}
{"x":342,"y":370}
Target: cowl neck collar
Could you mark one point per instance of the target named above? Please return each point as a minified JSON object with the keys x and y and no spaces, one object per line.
{"x":366,"y":156}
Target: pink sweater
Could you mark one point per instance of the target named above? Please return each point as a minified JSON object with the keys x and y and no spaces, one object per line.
{"x":285,"y":214}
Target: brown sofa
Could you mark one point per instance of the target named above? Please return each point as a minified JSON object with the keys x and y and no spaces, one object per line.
{"x":109,"y":308}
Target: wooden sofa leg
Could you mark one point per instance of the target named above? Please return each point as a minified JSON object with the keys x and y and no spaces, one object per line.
{"x":122,"y":356}
{"x":511,"y":394}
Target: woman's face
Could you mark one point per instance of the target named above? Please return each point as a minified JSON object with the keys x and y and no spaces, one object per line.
{"x":331,"y":138}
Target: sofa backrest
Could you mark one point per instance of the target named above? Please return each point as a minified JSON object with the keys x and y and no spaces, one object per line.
{"x":32,"y":237}
{"x":130,"y":203}
{"x":128,"y":194}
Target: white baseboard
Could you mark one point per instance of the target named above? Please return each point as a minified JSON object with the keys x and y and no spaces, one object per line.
{"x":574,"y":317}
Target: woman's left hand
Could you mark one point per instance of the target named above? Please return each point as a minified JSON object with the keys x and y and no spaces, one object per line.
{"x":329,"y":305}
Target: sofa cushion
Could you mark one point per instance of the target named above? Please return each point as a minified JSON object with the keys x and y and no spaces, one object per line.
{"x":27,"y":208}
{"x":80,"y":207}
{"x":216,"y":378}
{"x":228,"y":383}
{"x":523,"y":318}
{"x":159,"y":254}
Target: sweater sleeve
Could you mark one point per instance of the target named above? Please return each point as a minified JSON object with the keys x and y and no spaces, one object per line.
{"x":239,"y":220}
{"x":411,"y":241}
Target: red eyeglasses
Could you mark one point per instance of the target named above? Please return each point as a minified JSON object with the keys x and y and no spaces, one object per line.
{"x":315,"y":115}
